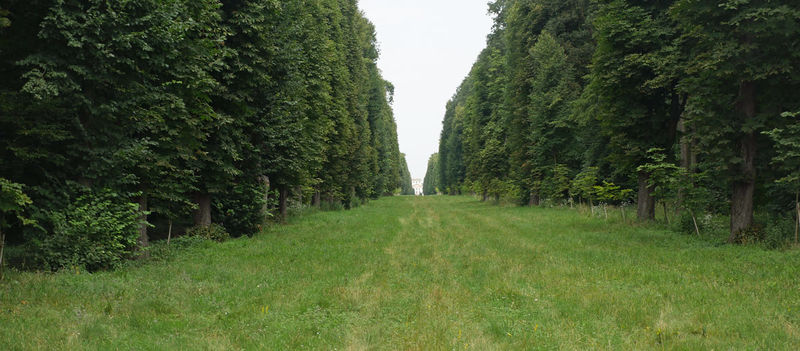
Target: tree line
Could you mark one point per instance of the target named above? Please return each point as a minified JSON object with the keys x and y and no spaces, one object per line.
{"x":119,"y":119}
{"x":430,"y":185}
{"x":692,"y":104}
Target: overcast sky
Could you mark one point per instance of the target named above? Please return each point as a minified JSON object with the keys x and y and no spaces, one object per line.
{"x":427,"y":48}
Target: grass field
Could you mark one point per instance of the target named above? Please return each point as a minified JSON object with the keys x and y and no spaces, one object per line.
{"x":434,"y":273}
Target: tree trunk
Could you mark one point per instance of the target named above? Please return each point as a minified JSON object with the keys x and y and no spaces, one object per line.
{"x":143,"y":239}
{"x":352,"y":198}
{"x":745,"y":183}
{"x":496,"y":198}
{"x":202,"y":215}
{"x":316,"y":201}
{"x":2,"y":249}
{"x":265,"y":208}
{"x":666,"y":213}
{"x":796,"y":224}
{"x":299,"y":193}
{"x":283,"y":208}
{"x":534,"y":198}
{"x":484,"y":196}
{"x":688,"y":155}
{"x":85,"y":182}
{"x":686,"y":158}
{"x":741,"y":208}
{"x":646,"y":203}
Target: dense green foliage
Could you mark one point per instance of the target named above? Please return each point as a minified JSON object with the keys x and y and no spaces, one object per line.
{"x":569,"y":95}
{"x":13,"y":202}
{"x":224,"y":109}
{"x":430,"y":185}
{"x":97,"y":231}
{"x":414,"y":273}
{"x":406,"y":186}
{"x":212,"y":232}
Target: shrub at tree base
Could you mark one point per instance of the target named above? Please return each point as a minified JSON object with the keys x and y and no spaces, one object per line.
{"x":97,"y":231}
{"x":212,"y":232}
{"x":240,"y":209}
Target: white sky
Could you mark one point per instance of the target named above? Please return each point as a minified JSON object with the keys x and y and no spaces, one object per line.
{"x":427,"y":48}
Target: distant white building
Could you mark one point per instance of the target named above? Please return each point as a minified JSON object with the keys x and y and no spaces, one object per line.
{"x":417,"y":184}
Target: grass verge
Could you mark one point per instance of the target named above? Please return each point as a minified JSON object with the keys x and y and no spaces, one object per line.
{"x":423,"y":273}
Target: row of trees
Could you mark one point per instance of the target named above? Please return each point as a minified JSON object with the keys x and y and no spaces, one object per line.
{"x":430,"y":185}
{"x":220,"y":111}
{"x":619,"y":91}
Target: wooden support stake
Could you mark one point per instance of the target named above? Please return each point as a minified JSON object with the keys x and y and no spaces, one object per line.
{"x":169,"y":233}
{"x":694,"y":219}
{"x":797,"y":224}
{"x":2,"y":247}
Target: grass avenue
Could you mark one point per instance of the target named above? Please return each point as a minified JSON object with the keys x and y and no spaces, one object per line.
{"x":429,"y":273}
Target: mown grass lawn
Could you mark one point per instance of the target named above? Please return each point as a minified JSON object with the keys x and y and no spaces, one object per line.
{"x":428,"y":273}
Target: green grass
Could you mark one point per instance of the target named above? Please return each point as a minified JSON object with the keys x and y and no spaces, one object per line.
{"x":428,"y":273}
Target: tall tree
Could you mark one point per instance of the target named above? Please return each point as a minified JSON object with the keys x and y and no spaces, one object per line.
{"x":406,"y":187}
{"x":741,"y":75}
{"x":128,"y":85}
{"x":430,"y":185}
{"x":638,"y":108}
